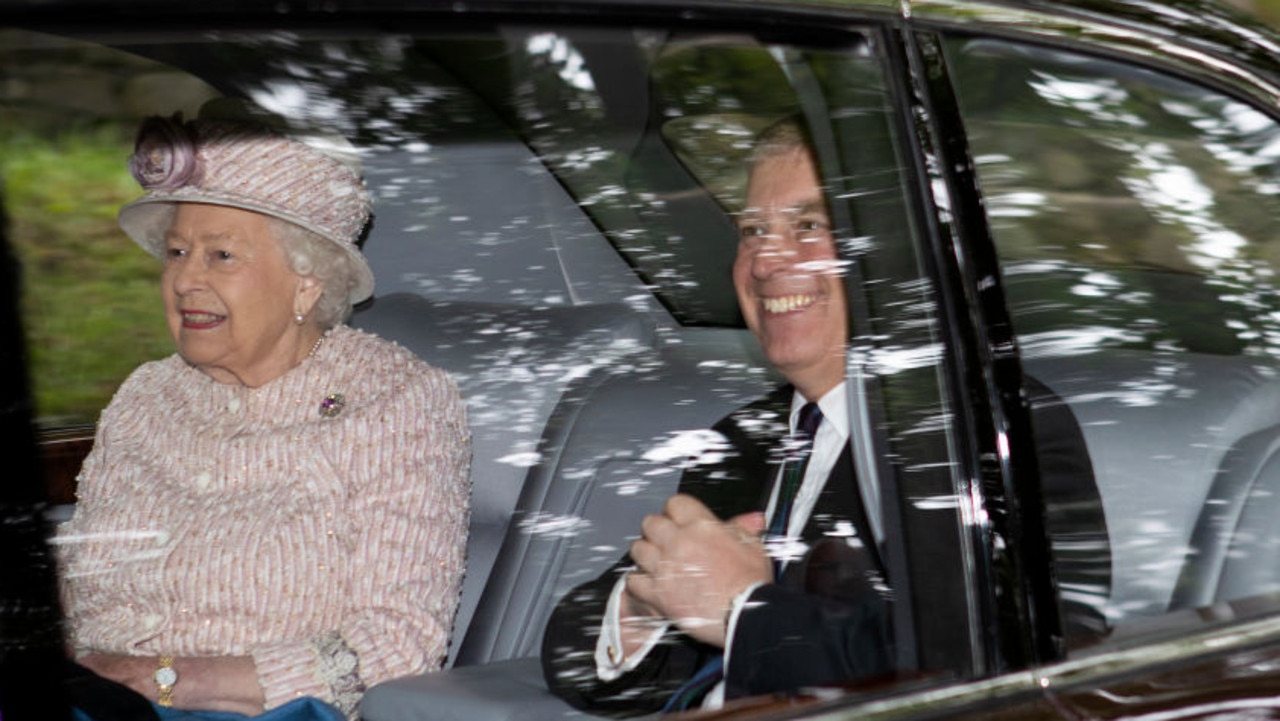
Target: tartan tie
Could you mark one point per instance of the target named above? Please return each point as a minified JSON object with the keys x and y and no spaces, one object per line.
{"x":793,"y":470}
{"x":696,"y":688}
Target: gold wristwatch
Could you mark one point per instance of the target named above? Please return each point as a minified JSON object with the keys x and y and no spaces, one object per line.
{"x":165,"y":676}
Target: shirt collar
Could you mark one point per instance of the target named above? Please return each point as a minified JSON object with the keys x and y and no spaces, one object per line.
{"x":834,"y":406}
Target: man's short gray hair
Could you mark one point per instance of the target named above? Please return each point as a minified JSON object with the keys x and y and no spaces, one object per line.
{"x":782,"y":136}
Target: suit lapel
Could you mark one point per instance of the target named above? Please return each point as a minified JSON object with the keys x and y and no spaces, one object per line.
{"x":839,"y":513}
{"x":755,"y":431}
{"x":744,"y":480}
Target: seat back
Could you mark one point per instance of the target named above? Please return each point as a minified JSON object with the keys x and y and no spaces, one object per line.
{"x":612,"y":452}
{"x":1158,"y":427}
{"x":1235,"y":548}
{"x":511,"y":364}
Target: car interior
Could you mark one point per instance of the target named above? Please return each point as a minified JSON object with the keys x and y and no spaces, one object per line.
{"x":582,"y":414}
{"x":1139,"y":389}
{"x":560,"y":240}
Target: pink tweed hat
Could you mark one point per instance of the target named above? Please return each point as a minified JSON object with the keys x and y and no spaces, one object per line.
{"x":249,"y":166}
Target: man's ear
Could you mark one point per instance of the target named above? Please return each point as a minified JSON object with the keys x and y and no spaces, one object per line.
{"x":307,"y":295}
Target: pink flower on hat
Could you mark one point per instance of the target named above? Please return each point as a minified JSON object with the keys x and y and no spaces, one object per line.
{"x":164,"y":155}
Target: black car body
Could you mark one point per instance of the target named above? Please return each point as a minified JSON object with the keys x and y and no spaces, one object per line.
{"x":1084,"y":194}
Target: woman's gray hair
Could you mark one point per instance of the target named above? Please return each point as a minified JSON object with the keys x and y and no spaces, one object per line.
{"x":311,"y":254}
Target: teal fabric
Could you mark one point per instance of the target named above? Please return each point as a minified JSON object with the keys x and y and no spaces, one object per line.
{"x":303,"y":709}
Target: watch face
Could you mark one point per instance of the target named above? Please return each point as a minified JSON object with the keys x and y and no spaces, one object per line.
{"x":166,"y":676}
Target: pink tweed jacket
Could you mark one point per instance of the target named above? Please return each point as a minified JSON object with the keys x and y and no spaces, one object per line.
{"x":317,"y":523}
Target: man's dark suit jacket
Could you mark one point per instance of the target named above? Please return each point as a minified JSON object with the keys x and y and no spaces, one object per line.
{"x":824,"y":622}
{"x":786,"y":637}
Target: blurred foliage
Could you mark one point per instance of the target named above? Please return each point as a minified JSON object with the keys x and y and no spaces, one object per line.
{"x":1124,"y":200}
{"x":90,"y":297}
{"x":1268,"y":11}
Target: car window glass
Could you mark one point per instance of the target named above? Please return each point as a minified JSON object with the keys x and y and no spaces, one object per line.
{"x":1134,"y":218}
{"x":68,"y":111}
{"x":901,"y":359}
{"x":555,"y":225}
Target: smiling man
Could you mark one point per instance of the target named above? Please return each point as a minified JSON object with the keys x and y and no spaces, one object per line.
{"x":786,"y":274}
{"x":762,"y":574}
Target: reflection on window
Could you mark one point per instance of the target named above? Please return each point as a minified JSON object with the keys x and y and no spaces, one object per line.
{"x":1135,"y":219}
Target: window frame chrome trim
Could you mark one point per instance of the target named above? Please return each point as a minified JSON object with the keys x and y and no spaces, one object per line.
{"x":1080,"y":30}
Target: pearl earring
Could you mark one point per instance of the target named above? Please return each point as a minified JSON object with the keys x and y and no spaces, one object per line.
{"x":298,"y":318}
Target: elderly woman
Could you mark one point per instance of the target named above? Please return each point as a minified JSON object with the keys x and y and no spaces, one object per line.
{"x":279,"y":510}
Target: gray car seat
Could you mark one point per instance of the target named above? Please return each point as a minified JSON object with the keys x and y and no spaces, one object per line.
{"x":611,"y":453}
{"x":511,"y":364}
{"x":1158,"y":426}
{"x":1235,"y":550}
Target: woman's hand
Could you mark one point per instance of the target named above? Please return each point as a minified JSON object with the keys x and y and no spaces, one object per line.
{"x":209,"y":683}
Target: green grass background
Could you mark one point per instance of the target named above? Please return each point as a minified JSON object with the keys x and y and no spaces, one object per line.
{"x":91,"y":302}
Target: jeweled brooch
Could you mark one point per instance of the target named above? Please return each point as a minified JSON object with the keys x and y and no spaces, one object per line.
{"x":332,"y":405}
